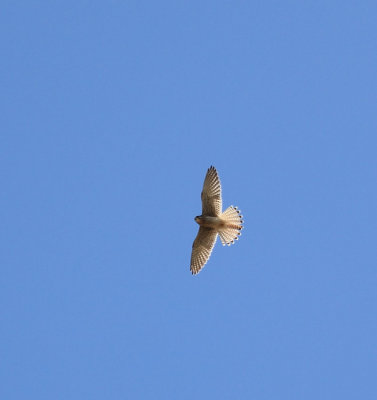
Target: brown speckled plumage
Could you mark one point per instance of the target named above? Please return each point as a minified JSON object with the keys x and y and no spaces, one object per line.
{"x":213,"y":222}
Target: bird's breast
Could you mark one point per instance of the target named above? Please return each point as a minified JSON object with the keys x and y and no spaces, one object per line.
{"x":211,"y":222}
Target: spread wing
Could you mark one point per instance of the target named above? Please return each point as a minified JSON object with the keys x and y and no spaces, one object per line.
{"x":211,"y":194}
{"x":202,"y":248}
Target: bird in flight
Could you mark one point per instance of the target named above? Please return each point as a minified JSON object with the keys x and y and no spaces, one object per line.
{"x":213,"y":222}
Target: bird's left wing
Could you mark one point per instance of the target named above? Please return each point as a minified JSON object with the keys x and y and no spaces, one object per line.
{"x":211,"y":194}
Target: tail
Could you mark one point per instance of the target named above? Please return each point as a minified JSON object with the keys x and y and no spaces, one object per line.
{"x":233,"y":225}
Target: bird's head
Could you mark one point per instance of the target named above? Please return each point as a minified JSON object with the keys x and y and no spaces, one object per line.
{"x":198,"y":219}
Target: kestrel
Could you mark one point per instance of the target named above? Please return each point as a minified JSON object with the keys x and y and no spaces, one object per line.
{"x":213,"y":222}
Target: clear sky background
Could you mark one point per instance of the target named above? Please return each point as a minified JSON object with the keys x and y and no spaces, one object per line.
{"x":111,"y":113}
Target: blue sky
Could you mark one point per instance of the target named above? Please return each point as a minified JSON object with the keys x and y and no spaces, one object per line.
{"x":111,"y":114}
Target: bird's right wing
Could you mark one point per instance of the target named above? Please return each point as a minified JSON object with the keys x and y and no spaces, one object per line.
{"x":211,"y":194}
{"x":202,"y":248}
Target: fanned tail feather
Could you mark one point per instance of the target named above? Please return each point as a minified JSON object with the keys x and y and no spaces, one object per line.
{"x":233,"y":225}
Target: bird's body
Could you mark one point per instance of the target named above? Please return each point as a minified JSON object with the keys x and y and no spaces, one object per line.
{"x":213,"y":222}
{"x":210,"y":222}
